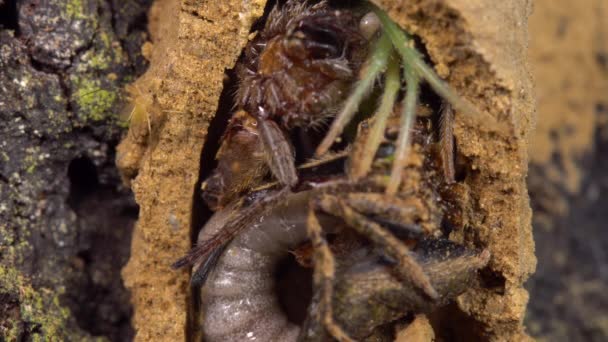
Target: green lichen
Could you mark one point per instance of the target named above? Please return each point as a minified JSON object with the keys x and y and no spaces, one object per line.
{"x":95,"y":103}
{"x":14,"y":247}
{"x":105,"y":39}
{"x":40,"y":309}
{"x":104,"y":55}
{"x":31,"y":160}
{"x":75,"y":9}
{"x":99,"y":61}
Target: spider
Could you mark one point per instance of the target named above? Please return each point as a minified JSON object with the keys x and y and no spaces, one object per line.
{"x":348,"y":286}
{"x":319,"y":73}
{"x":298,"y":71}
{"x":295,"y":73}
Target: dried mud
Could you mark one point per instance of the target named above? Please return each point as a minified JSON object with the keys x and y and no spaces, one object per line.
{"x":479,"y":47}
{"x":193,"y":43}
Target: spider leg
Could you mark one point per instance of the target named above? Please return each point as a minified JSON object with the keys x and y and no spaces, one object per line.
{"x":337,"y":68}
{"x":408,"y":115}
{"x":324,"y":276}
{"x":395,"y":214}
{"x":412,"y":60}
{"x":373,"y":66}
{"x":407,"y":267}
{"x":446,"y":126}
{"x":280,"y":155}
{"x":361,"y":162}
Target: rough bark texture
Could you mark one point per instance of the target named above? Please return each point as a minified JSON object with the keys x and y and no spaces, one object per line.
{"x":480,"y":47}
{"x":568,"y":170}
{"x":65,"y":218}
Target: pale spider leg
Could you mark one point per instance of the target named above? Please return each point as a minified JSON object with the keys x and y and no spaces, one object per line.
{"x":408,"y":115}
{"x":362,"y":162}
{"x":406,"y":268}
{"x":373,"y":66}
{"x":324,"y":276}
{"x":131,"y":117}
{"x":413,"y":60}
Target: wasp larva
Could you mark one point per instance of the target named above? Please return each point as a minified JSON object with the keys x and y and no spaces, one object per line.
{"x":240,"y":300}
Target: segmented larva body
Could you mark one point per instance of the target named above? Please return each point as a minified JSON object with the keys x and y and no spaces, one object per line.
{"x":239,"y":298}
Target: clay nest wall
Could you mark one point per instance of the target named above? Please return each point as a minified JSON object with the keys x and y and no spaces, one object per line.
{"x":479,"y":47}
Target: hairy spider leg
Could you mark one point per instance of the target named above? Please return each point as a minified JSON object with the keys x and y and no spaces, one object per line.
{"x":407,"y":268}
{"x":323,"y":278}
{"x":446,"y":126}
{"x":280,"y":155}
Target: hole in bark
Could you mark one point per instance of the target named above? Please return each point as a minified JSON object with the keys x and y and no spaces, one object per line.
{"x":217,"y":126}
{"x":200,"y":211}
{"x":83,"y":177}
{"x":95,"y":293}
{"x":9,"y":16}
{"x":85,"y":256}
{"x":461,"y":166}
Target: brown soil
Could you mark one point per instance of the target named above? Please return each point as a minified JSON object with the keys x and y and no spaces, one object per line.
{"x":478,"y":46}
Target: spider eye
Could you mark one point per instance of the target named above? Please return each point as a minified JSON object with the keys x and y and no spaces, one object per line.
{"x":321,"y":42}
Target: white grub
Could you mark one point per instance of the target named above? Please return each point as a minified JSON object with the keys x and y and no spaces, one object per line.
{"x":239,"y":299}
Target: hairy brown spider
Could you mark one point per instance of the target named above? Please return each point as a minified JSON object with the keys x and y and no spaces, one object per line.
{"x":319,"y":73}
{"x":296,"y":72}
